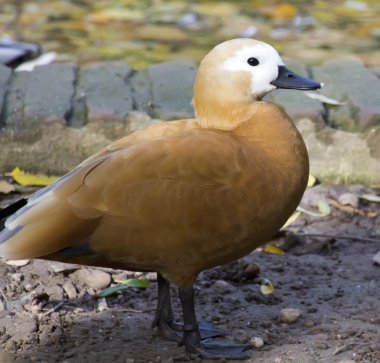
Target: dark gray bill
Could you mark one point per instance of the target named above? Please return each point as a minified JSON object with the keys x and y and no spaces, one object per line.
{"x":290,"y":80}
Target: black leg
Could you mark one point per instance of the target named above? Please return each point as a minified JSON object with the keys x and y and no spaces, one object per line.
{"x":164,"y":317}
{"x":192,"y":340}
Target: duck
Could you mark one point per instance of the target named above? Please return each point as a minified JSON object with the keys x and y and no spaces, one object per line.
{"x":183,"y":196}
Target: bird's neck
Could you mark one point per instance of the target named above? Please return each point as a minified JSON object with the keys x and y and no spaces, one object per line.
{"x":222,"y":114}
{"x":271,"y":129}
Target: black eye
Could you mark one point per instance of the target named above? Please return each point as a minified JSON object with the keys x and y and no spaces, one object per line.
{"x":253,"y":61}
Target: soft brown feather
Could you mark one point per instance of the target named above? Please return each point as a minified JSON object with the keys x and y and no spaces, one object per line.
{"x":177,"y":197}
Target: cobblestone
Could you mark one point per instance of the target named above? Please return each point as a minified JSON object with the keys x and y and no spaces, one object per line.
{"x":36,"y":108}
{"x":350,"y":81}
{"x":48,"y":94}
{"x":105,"y":90}
{"x":172,"y":89}
{"x":13,"y":115}
{"x":5,"y":74}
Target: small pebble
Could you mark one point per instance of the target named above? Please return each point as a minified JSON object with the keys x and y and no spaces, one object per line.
{"x":70,"y":290}
{"x":312,"y":310}
{"x":18,"y":276}
{"x":376,"y":259}
{"x":91,"y":291}
{"x":366,"y":337}
{"x":266,"y":324}
{"x":308,"y":324}
{"x":256,"y":342}
{"x":241,"y":336}
{"x":221,"y":285}
{"x":290,"y":315}
{"x":28,"y":287}
{"x":284,"y":328}
{"x":102,"y":304}
{"x":93,"y":278}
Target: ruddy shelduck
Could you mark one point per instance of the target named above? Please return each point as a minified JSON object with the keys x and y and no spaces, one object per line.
{"x":179,"y":197}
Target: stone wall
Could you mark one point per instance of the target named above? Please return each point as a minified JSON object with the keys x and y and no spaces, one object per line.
{"x":57,"y":115}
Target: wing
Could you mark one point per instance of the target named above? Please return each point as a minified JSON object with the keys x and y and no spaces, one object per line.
{"x":47,"y":223}
{"x":177,"y":202}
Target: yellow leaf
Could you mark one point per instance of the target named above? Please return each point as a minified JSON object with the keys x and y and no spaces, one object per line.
{"x":26,"y":179}
{"x":273,"y":249}
{"x":5,"y":187}
{"x":266,"y":287}
{"x":324,"y":208}
{"x":311,"y":181}
{"x":281,"y":12}
{"x":291,"y":219}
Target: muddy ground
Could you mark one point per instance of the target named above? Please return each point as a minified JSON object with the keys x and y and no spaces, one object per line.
{"x":333,"y":281}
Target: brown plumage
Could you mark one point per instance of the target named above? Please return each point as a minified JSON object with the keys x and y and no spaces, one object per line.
{"x":177,"y":197}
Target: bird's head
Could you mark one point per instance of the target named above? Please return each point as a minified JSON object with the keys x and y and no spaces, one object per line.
{"x":242,"y":71}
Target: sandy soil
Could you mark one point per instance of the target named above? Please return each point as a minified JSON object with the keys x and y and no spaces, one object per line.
{"x":333,"y":281}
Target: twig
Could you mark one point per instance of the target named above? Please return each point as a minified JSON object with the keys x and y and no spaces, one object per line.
{"x":353,"y":238}
{"x":342,"y":348}
{"x":128,"y":310}
{"x":53,"y":309}
{"x":73,"y":308}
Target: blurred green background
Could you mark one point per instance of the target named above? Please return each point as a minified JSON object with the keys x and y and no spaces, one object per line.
{"x":149,"y":31}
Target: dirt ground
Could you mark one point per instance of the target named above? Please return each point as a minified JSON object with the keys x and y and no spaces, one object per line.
{"x":333,"y":281}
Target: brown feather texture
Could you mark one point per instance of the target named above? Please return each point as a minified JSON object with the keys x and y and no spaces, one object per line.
{"x":177,"y":197}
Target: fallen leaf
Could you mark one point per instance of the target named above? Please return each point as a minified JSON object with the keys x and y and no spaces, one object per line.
{"x":281,"y":12}
{"x":26,"y":179}
{"x":273,"y":249}
{"x":324,"y":99}
{"x":124,"y":285}
{"x":308,"y":212}
{"x":266,"y":287}
{"x":17,"y":263}
{"x":370,"y":197}
{"x":324,"y":208}
{"x":351,"y":209}
{"x":311,"y":181}
{"x":291,"y":219}
{"x":5,"y":187}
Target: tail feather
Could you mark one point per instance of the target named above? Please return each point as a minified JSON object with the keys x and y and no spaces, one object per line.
{"x":11,"y":209}
{"x":42,"y":228}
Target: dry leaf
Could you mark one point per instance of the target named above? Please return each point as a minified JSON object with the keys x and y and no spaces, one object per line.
{"x":324,"y":208}
{"x":5,"y":187}
{"x":370,"y":198}
{"x":323,"y":99}
{"x":281,"y":12}
{"x":351,"y":209}
{"x":308,"y":212}
{"x":291,"y":219}
{"x":26,"y":179}
{"x":17,"y":263}
{"x":273,"y":249}
{"x":311,"y":181}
